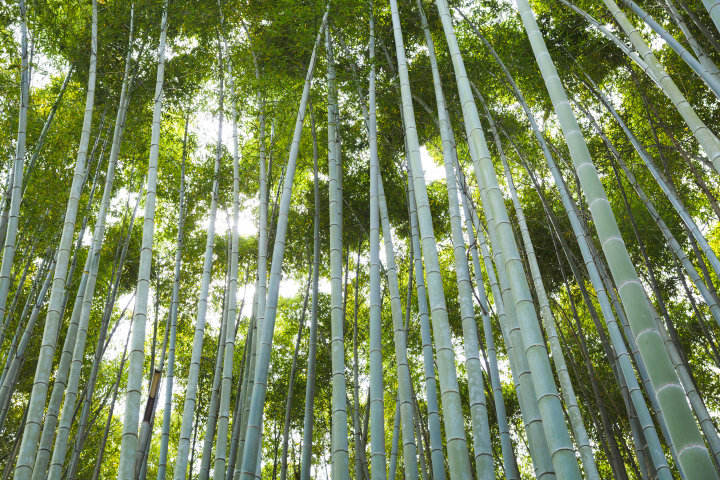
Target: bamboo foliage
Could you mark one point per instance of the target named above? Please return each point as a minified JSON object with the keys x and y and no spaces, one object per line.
{"x":484,"y":287}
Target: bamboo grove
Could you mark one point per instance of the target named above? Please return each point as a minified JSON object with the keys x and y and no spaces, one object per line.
{"x":360,"y":239}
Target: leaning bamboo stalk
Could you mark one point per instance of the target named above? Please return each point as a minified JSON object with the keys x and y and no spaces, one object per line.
{"x":508,"y":455}
{"x":37,"y":282}
{"x":669,"y":192}
{"x":106,"y":433}
{"x":549,"y":405}
{"x":129,"y":442}
{"x":613,"y":329}
{"x":308,"y":416}
{"x":10,"y":237}
{"x":482,"y":448}
{"x":212,"y":415}
{"x":291,"y":384}
{"x":713,"y":9}
{"x":507,"y":316}
{"x":457,"y":450}
{"x":708,"y":141}
{"x":400,"y":344}
{"x":31,"y":434}
{"x":581,"y":437}
{"x":254,"y":429}
{"x":11,"y":376}
{"x":693,"y":456}
{"x":91,"y":271}
{"x":614,"y":332}
{"x":437,"y":458}
{"x":672,"y":242}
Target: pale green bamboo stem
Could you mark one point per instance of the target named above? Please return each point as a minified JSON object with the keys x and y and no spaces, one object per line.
{"x":224,"y":414}
{"x":509,"y":459}
{"x":254,"y":428}
{"x":713,"y":9}
{"x":670,"y":193}
{"x":33,"y":425}
{"x":692,"y":454}
{"x":91,"y":271}
{"x":549,"y":405}
{"x":339,"y":431}
{"x":482,"y":448}
{"x":581,"y":437}
{"x":707,"y":140}
{"x":522,"y":377}
{"x":183,"y":448}
{"x":433,"y":416}
{"x":129,"y":443}
{"x":457,"y":451}
{"x":10,"y":237}
{"x":405,"y":403}
{"x":173,"y":317}
{"x":377,"y":410}
{"x":700,"y":69}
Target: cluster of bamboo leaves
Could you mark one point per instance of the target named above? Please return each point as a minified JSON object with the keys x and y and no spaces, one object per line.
{"x":359,"y":239}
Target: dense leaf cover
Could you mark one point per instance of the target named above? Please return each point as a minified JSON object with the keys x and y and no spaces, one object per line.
{"x":265,"y":48}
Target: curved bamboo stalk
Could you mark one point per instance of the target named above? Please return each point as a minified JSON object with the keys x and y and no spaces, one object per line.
{"x":129,"y":443}
{"x":254,"y":428}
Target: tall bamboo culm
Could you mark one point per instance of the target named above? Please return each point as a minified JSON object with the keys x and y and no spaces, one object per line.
{"x":129,"y":443}
{"x":33,"y":424}
{"x":254,"y":422}
{"x":693,"y":456}
{"x":457,"y":450}
{"x":377,"y":410}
